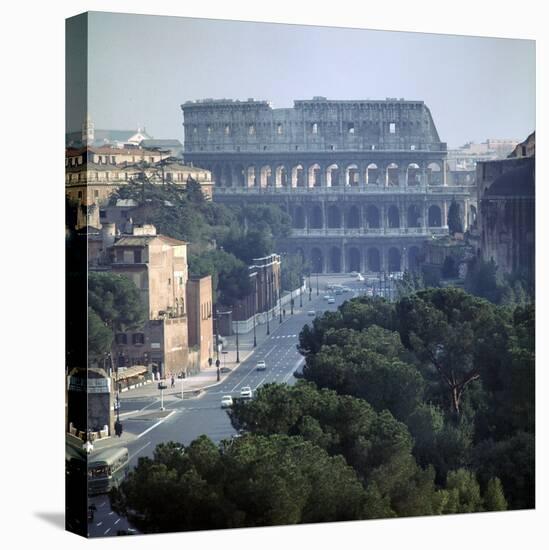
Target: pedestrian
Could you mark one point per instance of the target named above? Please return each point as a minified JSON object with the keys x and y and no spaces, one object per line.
{"x":284,"y":312}
{"x":173,"y":381}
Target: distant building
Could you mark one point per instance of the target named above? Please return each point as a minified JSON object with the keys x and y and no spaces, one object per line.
{"x":200,"y":315}
{"x":92,"y":174}
{"x":507,"y":211}
{"x":158,"y":267}
{"x":464,"y":158}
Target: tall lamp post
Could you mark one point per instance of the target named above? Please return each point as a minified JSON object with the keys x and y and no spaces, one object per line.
{"x":267,"y":299}
{"x":310,"y":288}
{"x":317,"y":284}
{"x":291,"y":302}
{"x":301,"y":292}
{"x":279,"y":307}
{"x":237,"y":348}
{"x":255,"y":309}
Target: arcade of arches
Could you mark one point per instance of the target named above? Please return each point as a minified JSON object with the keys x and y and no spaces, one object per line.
{"x":323,"y":215}
{"x":363,"y":259}
{"x":326,"y":174}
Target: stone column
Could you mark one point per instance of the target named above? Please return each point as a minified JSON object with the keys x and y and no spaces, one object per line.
{"x":444,"y":221}
{"x":404,"y":179}
{"x":443,"y":172}
{"x":306,"y":217}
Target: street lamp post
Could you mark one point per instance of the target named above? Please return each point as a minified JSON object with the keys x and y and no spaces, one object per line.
{"x":279,"y":308}
{"x":310,"y":287}
{"x":317,"y":292}
{"x":267,"y":300}
{"x":237,"y":348}
{"x":162,"y":387}
{"x":301,"y":294}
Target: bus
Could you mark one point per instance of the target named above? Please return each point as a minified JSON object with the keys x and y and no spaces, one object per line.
{"x":107,"y":469}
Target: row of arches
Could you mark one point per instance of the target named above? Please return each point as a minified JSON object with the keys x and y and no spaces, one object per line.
{"x":370,"y":217}
{"x":373,"y":259}
{"x":332,"y":175}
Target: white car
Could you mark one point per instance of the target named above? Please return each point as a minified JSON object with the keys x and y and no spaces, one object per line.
{"x":226,"y":401}
{"x":331,"y":300}
{"x":360,"y":277}
{"x":246,"y":392}
{"x":311,"y":313}
{"x":327,"y":297}
{"x":261,"y":365}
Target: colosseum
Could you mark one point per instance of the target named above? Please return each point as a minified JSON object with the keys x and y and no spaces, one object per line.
{"x":365,"y":182}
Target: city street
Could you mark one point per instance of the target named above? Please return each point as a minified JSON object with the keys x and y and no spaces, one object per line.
{"x":185,"y":420}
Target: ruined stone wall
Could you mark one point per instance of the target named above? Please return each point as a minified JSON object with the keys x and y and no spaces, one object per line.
{"x":311,"y":125}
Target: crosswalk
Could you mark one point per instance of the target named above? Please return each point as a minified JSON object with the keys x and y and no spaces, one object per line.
{"x":283,"y":336}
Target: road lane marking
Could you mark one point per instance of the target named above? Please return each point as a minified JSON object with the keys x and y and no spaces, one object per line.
{"x":155,"y":425}
{"x":136,"y":453}
{"x":117,"y":521}
{"x":107,"y":531}
{"x":99,"y":524}
{"x":260,"y":383}
{"x":296,"y":366}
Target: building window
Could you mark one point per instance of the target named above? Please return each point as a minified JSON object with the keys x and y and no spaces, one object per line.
{"x":79,"y":194}
{"x":279,"y":128}
{"x":209,"y":130}
{"x":96,"y":193}
{"x":138,"y":338}
{"x":251,"y":130}
{"x":392,"y":128}
{"x":137,"y":257}
{"x":121,"y":339}
{"x":102,"y":214}
{"x":227,"y":130}
{"x":113,"y":160}
{"x":195,"y":129}
{"x":412,"y":147}
{"x":351,"y":128}
{"x":314,"y":128}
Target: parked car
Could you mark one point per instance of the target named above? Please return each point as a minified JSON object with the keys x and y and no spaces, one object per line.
{"x":226,"y":401}
{"x":360,"y":277}
{"x":346,"y":289}
{"x":331,"y":300}
{"x":246,"y":392}
{"x":225,"y":369}
{"x":261,"y":365}
{"x":326,"y":297}
{"x":311,"y":313}
{"x":354,"y":274}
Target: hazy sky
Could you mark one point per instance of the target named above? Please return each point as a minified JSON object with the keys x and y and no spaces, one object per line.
{"x":141,"y":68}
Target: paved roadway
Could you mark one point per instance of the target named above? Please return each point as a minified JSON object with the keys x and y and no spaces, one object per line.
{"x":193,"y":417}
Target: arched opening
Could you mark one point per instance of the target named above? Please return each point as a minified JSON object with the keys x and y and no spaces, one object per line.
{"x":281,"y":176}
{"x":334,"y":217}
{"x":332,"y":175}
{"x":414,"y":216}
{"x":316,"y":221}
{"x":240,"y":179}
{"x":393,"y":260}
{"x":299,"y":252}
{"x":472,"y":215}
{"x":299,"y":218}
{"x":413,"y":258}
{"x":317,"y":260}
{"x":217,"y":174}
{"x":354,"y":259}
{"x":372,"y":174}
{"x":298,"y":176}
{"x":335,"y":260}
{"x":251,"y":180}
{"x":393,"y":217}
{"x":351,"y":175}
{"x":265,"y":176}
{"x":374,"y":260}
{"x":412,"y":175}
{"x":227,"y":175}
{"x":372,"y":217}
{"x":435,"y":216}
{"x":313,"y":176}
{"x":353,"y":218}
{"x":392,"y":175}
{"x":434,"y":174}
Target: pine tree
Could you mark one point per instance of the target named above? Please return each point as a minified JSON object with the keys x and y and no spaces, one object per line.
{"x":494,"y":499}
